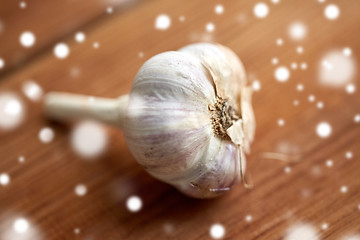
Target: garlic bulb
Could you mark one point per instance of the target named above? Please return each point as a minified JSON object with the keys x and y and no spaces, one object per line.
{"x":188,"y":119}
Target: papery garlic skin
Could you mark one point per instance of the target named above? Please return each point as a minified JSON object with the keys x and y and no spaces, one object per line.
{"x":169,"y":127}
{"x":188,"y":119}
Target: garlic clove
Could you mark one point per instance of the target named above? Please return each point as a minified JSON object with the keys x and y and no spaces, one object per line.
{"x":175,"y":76}
{"x":225,"y":68}
{"x":223,"y":172}
{"x":168,"y":120}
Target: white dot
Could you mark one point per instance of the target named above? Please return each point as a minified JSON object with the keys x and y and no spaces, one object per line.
{"x":359,"y":206}
{"x":324,"y":226}
{"x":319,"y":105}
{"x":134,"y":203}
{"x":2,"y":63}
{"x":343,"y":189}
{"x":182,"y":18}
{"x":21,"y":159}
{"x":350,"y":88}
{"x":217,"y":231}
{"x":248,"y":218}
{"x":300,"y":49}
{"x":274,"y":61}
{"x":11,"y":111}
{"x":242,"y":18}
{"x":46,"y":135}
{"x":297,"y":31}
{"x":4,"y":179}
{"x":219,"y":9}
{"x":329,"y":163}
{"x":96,"y":45}
{"x":281,"y":122}
{"x":261,"y":10}
{"x":303,"y":65}
{"x":282,"y":74}
{"x":21,"y":225}
{"x":311,"y":98}
{"x":296,"y":102}
{"x":279,"y":42}
{"x":305,"y":193}
{"x":256,"y":85}
{"x":357,"y":118}
{"x":323,"y":129}
{"x":210,"y":27}
{"x":348,"y":154}
{"x":109,"y":10}
{"x":300,"y":87}
{"x":336,"y":69}
{"x":89,"y":139}
{"x":140,"y":54}
{"x":275,"y":1}
{"x":80,"y":37}
{"x":326,"y":64}
{"x":77,"y":230}
{"x":294,"y":65}
{"x":80,"y":190}
{"x":347,"y":51}
{"x":32,"y":90}
{"x":351,"y":237}
{"x":13,"y":108}
{"x":61,"y":50}
{"x":162,"y":22}
{"x":27,"y":39}
{"x":332,"y":12}
{"x":169,"y":228}
{"x":301,"y":231}
{"x":22,"y":5}
{"x":321,"y":1}
{"x":287,"y":169}
{"x":316,"y":171}
{"x":74,"y":72}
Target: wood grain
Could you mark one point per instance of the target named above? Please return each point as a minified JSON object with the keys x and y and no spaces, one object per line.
{"x":42,"y":188}
{"x":54,"y":21}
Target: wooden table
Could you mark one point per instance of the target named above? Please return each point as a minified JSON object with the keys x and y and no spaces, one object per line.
{"x":321,"y":197}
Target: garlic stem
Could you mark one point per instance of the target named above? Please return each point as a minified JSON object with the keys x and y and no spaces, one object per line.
{"x":62,"y":106}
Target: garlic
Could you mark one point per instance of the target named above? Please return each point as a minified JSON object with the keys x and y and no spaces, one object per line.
{"x":188,"y":119}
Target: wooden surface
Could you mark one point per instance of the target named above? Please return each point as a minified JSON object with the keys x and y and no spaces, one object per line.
{"x":41,"y":189}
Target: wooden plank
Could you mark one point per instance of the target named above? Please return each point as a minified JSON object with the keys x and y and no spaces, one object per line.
{"x":49,"y":22}
{"x":42,"y":188}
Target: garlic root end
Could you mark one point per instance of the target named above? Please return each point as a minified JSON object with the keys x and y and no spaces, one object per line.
{"x":244,"y":180}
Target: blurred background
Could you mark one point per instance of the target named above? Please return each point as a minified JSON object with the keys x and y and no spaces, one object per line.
{"x":79,"y":180}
